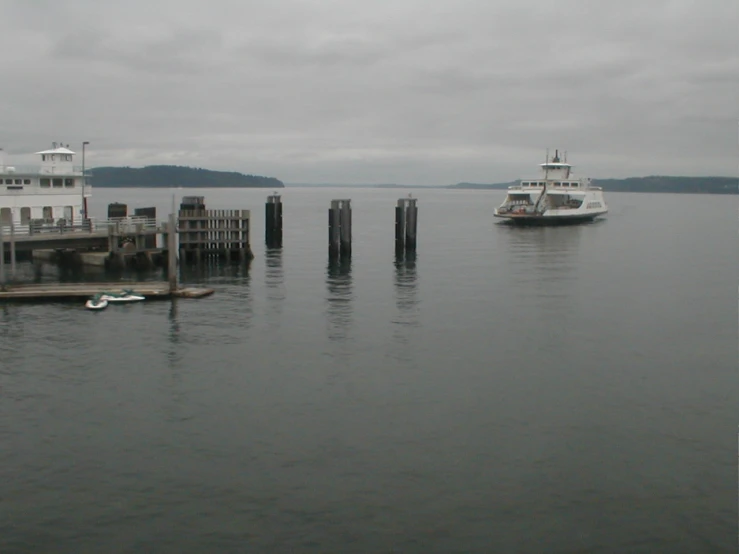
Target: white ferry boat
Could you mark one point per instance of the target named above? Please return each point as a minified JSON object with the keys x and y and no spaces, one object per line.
{"x":557,"y":196}
{"x":51,"y":193}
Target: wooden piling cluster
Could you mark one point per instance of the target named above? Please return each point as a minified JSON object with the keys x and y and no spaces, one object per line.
{"x":12,"y":254}
{"x":132,"y":246}
{"x":273,"y":222}
{"x":214,"y":234}
{"x":406,"y":220}
{"x":340,"y":230}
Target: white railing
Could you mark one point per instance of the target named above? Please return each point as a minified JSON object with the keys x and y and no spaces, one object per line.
{"x":31,"y":170}
{"x":131,"y":224}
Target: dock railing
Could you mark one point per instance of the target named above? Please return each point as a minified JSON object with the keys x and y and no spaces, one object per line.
{"x":92,"y":225}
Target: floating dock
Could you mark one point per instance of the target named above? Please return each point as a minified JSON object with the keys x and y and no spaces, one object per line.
{"x":154,"y":290}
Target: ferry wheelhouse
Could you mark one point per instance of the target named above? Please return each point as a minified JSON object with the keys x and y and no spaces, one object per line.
{"x":53,"y":192}
{"x":555,"y":196}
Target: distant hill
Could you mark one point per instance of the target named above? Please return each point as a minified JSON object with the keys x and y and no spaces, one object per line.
{"x":362,"y":185}
{"x":177,"y":176}
{"x":495,"y":186}
{"x":656,"y":183}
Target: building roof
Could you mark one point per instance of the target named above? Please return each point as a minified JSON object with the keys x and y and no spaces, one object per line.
{"x":60,"y":150}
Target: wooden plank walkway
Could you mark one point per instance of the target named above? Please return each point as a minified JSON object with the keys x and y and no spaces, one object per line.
{"x":66,"y":291}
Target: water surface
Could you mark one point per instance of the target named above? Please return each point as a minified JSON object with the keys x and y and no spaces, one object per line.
{"x":565,"y":389}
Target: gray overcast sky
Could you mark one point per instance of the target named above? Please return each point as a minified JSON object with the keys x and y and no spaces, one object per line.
{"x":381,"y":91}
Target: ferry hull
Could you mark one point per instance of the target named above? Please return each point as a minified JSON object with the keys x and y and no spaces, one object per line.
{"x":530,"y":219}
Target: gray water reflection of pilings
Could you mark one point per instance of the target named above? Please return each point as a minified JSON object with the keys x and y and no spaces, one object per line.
{"x":274,"y":282}
{"x":274,"y":275}
{"x":340,"y":230}
{"x":339,"y":299}
{"x":406,"y":289}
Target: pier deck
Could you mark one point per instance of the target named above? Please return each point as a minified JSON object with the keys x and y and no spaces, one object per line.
{"x":67,"y":291}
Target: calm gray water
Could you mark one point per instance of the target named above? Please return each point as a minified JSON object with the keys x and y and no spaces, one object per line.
{"x":511,"y":390}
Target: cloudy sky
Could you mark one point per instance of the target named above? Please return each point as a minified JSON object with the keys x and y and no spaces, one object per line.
{"x":380,"y":91}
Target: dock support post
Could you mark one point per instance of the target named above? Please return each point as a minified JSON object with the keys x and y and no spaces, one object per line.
{"x":278,"y":223}
{"x":172,"y":252}
{"x":2,"y":259}
{"x":12,"y":249}
{"x":345,"y":222}
{"x":411,"y":219}
{"x":334,"y":230}
{"x":273,"y":222}
{"x":400,"y":227}
{"x":406,"y":220}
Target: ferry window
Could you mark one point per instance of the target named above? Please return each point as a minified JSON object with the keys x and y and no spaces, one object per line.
{"x":25,"y":216}
{"x":18,"y":181}
{"x":58,"y":183}
{"x":565,"y":184}
{"x":8,"y":181}
{"x":26,"y":181}
{"x":573,"y":184}
{"x":48,"y":213}
{"x":43,"y":157}
{"x":557,"y":184}
{"x":68,"y":182}
{"x":46,"y":183}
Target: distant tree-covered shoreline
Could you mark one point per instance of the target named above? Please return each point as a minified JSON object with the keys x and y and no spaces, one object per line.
{"x":177,"y":176}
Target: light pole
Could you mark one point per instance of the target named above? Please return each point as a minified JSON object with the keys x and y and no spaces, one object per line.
{"x":84,"y":180}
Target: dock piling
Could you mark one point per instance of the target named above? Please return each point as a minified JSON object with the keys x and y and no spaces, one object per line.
{"x":406,"y":220}
{"x":400,"y":227}
{"x":273,"y":222}
{"x":340,"y":229}
{"x":2,"y":258}
{"x":207,"y":234}
{"x":345,"y":221}
{"x":172,"y":253}
{"x":334,"y":230}
{"x":411,"y":219}
{"x":12,"y":250}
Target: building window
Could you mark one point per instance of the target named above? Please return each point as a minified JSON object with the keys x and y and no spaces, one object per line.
{"x":46,"y":183}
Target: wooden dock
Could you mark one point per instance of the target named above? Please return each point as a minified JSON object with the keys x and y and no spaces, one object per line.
{"x":151,"y":290}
